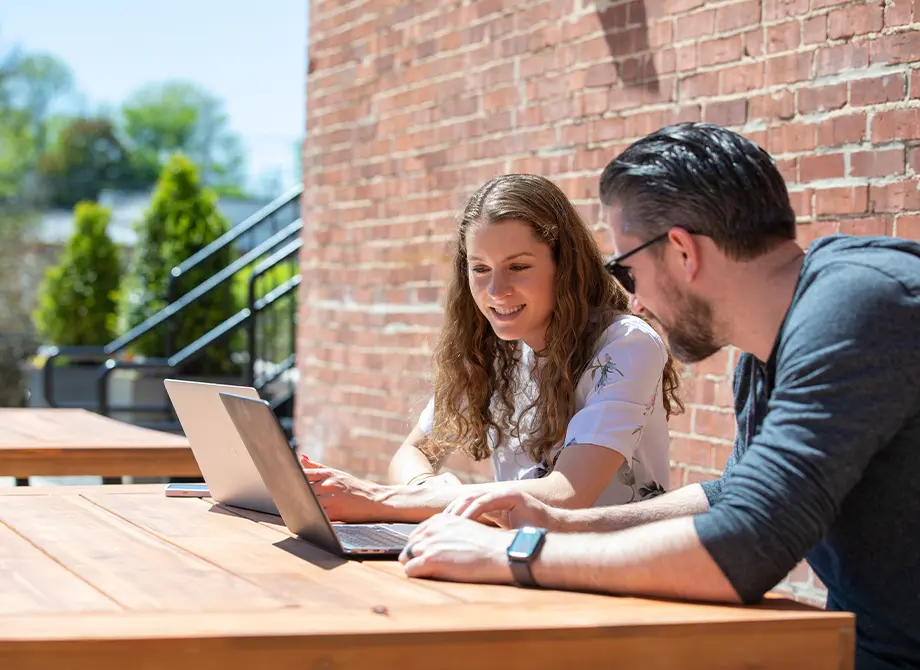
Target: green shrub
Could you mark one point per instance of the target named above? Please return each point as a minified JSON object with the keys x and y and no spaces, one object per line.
{"x":182,"y":219}
{"x":78,"y":298}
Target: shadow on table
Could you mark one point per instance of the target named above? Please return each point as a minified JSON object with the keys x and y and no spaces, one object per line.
{"x":292,"y":545}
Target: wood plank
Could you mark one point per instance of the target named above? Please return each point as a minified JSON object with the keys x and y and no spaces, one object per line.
{"x":282,"y":565}
{"x":459,"y":636}
{"x":470,"y":593}
{"x":61,"y":442}
{"x":132,"y":567}
{"x":32,"y":582}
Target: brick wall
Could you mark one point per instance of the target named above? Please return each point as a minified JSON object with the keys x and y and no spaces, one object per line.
{"x":413,"y":105}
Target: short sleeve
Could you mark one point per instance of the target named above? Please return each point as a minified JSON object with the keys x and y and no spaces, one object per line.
{"x":426,"y":420}
{"x":621,"y":386}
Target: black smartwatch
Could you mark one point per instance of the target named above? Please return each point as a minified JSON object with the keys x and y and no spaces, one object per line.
{"x":522,"y":551}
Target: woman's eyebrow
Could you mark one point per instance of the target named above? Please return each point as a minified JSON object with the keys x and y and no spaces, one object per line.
{"x":512,"y":256}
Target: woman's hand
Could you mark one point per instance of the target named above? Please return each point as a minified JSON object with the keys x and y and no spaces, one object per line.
{"x":346,"y":497}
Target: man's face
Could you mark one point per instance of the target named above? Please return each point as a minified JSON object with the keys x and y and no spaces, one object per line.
{"x":663,"y":295}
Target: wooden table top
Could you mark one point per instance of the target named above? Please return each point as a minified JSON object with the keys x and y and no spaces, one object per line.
{"x":121,"y":576}
{"x":62,"y":442}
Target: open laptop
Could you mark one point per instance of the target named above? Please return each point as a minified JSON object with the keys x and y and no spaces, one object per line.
{"x":300,"y":509}
{"x":224,"y":461}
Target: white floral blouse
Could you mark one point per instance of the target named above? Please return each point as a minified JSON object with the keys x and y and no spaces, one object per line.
{"x":618,"y":405}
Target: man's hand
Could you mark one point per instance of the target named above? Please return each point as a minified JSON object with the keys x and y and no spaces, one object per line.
{"x":450,"y":548}
{"x":507,"y":509}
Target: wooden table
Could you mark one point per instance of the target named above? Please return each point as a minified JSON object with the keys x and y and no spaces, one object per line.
{"x":121,"y":576}
{"x":65,"y":442}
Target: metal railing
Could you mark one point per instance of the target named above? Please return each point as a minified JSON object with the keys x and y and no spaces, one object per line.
{"x":274,"y":244}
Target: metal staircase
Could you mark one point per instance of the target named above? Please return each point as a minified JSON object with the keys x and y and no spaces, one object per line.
{"x":265,"y":247}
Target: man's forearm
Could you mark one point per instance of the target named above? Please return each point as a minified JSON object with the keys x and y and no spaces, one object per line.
{"x":685,"y":501}
{"x":664,"y":559}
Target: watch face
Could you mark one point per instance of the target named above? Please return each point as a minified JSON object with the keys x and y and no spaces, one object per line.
{"x":524,"y":543}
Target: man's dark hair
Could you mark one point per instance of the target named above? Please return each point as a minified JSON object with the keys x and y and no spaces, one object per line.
{"x":706,"y":179}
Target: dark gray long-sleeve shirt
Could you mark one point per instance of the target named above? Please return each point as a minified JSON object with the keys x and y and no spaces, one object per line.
{"x":826,"y":462}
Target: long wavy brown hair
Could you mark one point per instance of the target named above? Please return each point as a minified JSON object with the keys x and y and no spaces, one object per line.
{"x":474,"y":367}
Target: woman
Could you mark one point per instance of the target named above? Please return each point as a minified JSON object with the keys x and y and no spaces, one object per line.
{"x":539,"y":367}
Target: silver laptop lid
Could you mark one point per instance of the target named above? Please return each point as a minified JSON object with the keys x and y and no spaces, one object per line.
{"x":225,"y":464}
{"x":265,"y":440}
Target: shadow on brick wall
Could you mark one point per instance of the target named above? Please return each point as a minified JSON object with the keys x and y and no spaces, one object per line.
{"x":625,"y":25}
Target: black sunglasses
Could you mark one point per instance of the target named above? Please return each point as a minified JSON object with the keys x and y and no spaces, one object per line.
{"x":621,"y":272}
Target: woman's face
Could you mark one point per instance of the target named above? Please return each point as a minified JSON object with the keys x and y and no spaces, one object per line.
{"x":512,"y":278}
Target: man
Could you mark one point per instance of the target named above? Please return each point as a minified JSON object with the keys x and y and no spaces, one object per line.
{"x":826,"y":461}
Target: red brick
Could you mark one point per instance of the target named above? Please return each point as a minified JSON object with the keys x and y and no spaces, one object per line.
{"x":897,"y":124}
{"x":741,"y":78}
{"x":783,"y":36}
{"x":769,"y":106}
{"x":717,"y":364}
{"x":724,"y":50}
{"x":815,"y":30}
{"x":878,"y":90}
{"x":821,"y":4}
{"x":791,"y":138}
{"x":677,"y":478}
{"x":700,"y":85}
{"x":809,"y":232}
{"x":697,"y":477}
{"x":821,"y":166}
{"x":855,"y":20}
{"x":788,"y":69}
{"x":823,"y":99}
{"x":721,"y":452}
{"x":753,"y":43}
{"x":688,"y":57}
{"x":842,"y":130}
{"x":830,"y":201}
{"x":695,"y":25}
{"x":737,"y":15}
{"x":877,"y":163}
{"x":875,"y":225}
{"x":801,"y":202}
{"x":775,"y":10}
{"x":915,"y":84}
{"x":714,"y":424}
{"x":788,"y":169}
{"x":897,"y":48}
{"x":681,"y":6}
{"x":837,"y":59}
{"x":914,"y":160}
{"x":726,"y":113}
{"x":895,"y":197}
{"x":661,"y":34}
{"x":600,"y":74}
{"x":691,"y":451}
{"x":898,"y":13}
{"x":908,"y":227}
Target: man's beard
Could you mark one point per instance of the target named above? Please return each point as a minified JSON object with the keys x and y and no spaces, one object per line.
{"x":690,"y":334}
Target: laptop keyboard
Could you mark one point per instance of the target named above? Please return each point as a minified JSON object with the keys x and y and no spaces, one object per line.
{"x":370,"y":537}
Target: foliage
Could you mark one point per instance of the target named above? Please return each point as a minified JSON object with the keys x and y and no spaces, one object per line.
{"x":182,"y":219}
{"x":78,"y":297}
{"x":87,"y":158}
{"x":160,"y":119}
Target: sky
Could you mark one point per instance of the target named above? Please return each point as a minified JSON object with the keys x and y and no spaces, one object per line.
{"x":249,"y":53}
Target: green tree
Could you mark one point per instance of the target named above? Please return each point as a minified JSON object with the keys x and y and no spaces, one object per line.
{"x":87,"y":158}
{"x":78,"y":298}
{"x":160,"y":119}
{"x":182,"y":219}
